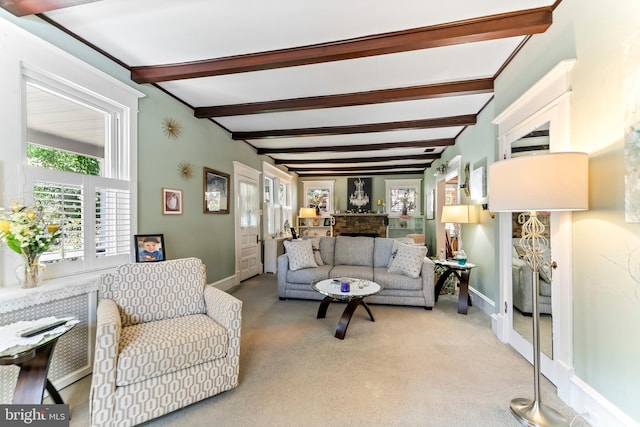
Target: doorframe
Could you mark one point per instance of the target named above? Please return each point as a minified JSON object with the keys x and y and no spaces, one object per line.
{"x":548,"y":100}
{"x":240,"y":169}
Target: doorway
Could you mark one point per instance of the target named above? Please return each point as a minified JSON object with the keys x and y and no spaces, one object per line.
{"x":541,"y":112}
{"x":247,"y":221}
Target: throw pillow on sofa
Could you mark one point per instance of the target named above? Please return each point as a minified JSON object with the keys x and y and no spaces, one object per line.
{"x":300,"y":253}
{"x":408,"y":260}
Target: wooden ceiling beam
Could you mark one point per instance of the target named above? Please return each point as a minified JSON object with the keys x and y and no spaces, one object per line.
{"x":512,"y":24}
{"x":467,"y":87}
{"x":368,"y":172}
{"x":364,"y":147}
{"x":464,"y":120}
{"x":359,"y":168}
{"x":32,"y":7}
{"x":352,"y":160}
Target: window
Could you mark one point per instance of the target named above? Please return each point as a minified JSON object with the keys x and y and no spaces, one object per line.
{"x":77,"y":156}
{"x":277,"y":198}
{"x":403,"y":196}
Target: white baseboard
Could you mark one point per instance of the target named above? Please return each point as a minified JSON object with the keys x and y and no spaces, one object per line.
{"x":226,"y":283}
{"x":595,"y":409}
{"x":481,"y":301}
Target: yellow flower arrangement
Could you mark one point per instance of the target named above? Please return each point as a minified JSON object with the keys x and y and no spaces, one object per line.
{"x":30,"y":230}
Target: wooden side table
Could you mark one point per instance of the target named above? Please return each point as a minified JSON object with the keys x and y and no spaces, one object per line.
{"x":462,"y":272}
{"x":34,"y":361}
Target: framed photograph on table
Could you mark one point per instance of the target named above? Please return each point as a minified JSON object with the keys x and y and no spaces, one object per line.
{"x":149,"y":247}
{"x":171,"y":201}
{"x":216,"y":189}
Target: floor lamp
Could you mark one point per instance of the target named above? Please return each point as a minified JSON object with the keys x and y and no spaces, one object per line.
{"x":547,"y":182}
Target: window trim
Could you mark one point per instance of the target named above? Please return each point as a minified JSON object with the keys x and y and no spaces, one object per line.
{"x":278,"y":177}
{"x":415,"y":184}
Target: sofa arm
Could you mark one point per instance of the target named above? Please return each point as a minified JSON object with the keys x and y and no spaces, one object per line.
{"x":428,"y":281}
{"x":283,"y":269}
{"x":108,"y":330}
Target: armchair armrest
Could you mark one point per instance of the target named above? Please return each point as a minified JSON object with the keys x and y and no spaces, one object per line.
{"x":108,"y":329}
{"x":227,"y":311}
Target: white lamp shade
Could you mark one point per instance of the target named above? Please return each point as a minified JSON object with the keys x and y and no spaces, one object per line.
{"x":547,"y":182}
{"x":307,"y":213}
{"x":459,"y":214}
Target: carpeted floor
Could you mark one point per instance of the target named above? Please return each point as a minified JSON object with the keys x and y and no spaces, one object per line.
{"x":412,"y":367}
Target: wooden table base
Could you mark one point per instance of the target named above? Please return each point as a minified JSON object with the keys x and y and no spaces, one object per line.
{"x":464,"y":299}
{"x":343,"y":324}
{"x":32,"y":379}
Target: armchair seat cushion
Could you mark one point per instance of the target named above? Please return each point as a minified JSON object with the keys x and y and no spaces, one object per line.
{"x":152,"y":349}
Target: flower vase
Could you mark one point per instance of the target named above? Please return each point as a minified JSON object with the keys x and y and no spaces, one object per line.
{"x":30,"y":273}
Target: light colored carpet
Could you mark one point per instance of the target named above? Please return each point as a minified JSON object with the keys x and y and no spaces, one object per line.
{"x":411,"y":367}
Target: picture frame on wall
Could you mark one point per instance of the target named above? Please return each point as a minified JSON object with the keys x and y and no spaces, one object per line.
{"x":171,"y":201}
{"x":216,"y":191}
{"x":359,"y":194}
{"x":149,"y":247}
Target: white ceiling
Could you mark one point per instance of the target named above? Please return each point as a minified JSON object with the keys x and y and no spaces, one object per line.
{"x":155,"y":32}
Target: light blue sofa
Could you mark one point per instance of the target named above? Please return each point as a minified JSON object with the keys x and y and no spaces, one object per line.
{"x":361,"y":258}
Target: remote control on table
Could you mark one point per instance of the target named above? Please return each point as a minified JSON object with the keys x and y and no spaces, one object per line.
{"x":42,"y":328}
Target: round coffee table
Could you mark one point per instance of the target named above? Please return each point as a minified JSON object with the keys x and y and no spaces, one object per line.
{"x":359,"y":289}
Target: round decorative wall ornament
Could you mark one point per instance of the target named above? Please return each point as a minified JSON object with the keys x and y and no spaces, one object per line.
{"x":185,"y":169}
{"x":171,"y":128}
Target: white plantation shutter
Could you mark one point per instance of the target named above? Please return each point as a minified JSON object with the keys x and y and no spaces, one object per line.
{"x":68,"y":200}
{"x":98,"y":218}
{"x":113,"y":222}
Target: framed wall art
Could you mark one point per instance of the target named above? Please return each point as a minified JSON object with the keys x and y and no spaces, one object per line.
{"x":149,"y":247}
{"x":171,"y":201}
{"x":359,"y":194}
{"x":216,"y":189}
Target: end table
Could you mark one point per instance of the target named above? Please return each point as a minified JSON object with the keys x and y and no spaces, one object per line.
{"x":462,"y":272}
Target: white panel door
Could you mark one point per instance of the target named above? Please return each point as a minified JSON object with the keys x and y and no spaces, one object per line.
{"x":247,"y":201}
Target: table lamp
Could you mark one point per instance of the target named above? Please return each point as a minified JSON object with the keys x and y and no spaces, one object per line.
{"x":307,"y":213}
{"x":547,"y":182}
{"x":459,"y":214}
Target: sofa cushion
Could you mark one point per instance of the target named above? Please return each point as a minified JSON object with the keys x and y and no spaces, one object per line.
{"x":543,"y":276}
{"x":354,"y":251}
{"x":152,"y":349}
{"x":396,"y":280}
{"x":327,"y":246}
{"x":408,"y":260}
{"x":382,"y":250}
{"x":315,"y":243}
{"x":353,"y":271}
{"x":309,"y":275}
{"x":300,"y":253}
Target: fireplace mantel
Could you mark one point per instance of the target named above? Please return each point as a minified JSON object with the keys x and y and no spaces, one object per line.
{"x":360,"y":223}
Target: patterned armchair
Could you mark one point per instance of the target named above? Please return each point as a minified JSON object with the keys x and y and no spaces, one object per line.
{"x":164,"y":340}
